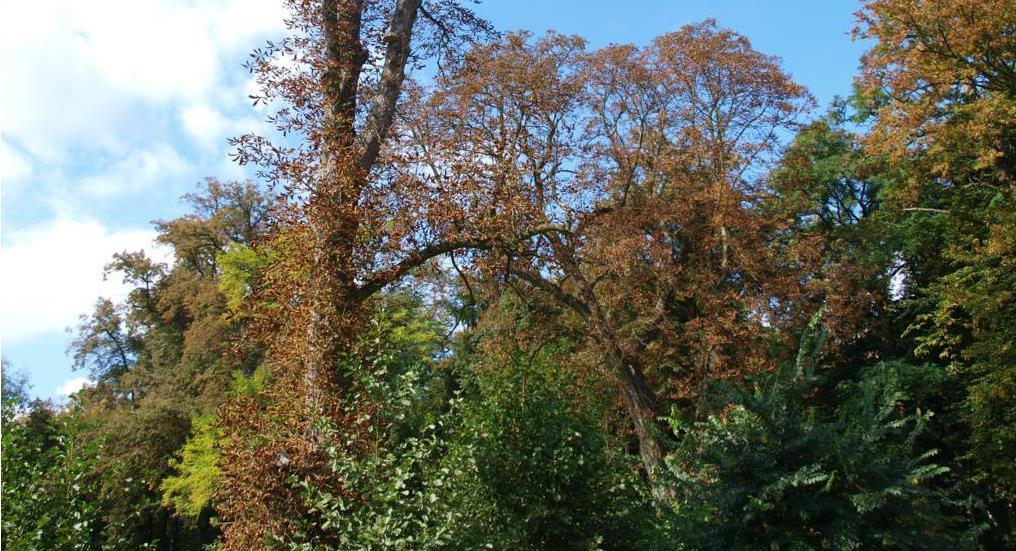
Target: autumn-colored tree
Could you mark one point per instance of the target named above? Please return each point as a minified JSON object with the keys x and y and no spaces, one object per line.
{"x":159,"y":358}
{"x":341,"y":97}
{"x":627,"y":178}
{"x":946,"y":68}
{"x":351,"y":222}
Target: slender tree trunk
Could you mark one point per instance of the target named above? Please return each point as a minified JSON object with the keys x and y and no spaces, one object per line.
{"x":639,"y":398}
{"x":723,"y":246}
{"x":643,"y":409}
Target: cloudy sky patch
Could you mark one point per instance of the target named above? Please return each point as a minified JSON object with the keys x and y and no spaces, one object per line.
{"x":109,"y":111}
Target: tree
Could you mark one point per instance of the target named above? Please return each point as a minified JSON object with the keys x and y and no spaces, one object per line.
{"x":107,"y":348}
{"x":774,"y":469}
{"x":510,"y":455}
{"x":627,"y":179}
{"x":949,"y":85}
{"x":159,"y":359}
{"x":14,"y":386}
{"x":49,"y":490}
{"x":946,"y":69}
{"x":342,"y":98}
{"x":221,"y":214}
{"x":340,"y":77}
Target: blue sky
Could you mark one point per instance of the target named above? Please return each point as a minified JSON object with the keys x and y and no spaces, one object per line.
{"x":111,"y":110}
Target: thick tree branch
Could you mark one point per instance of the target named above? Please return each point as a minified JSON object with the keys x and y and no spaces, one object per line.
{"x":419,"y":256}
{"x":553,"y":289}
{"x":414,"y":260}
{"x":653,"y":326}
{"x":382,"y":109}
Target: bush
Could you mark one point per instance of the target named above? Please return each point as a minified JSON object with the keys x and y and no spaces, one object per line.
{"x":776,"y":469}
{"x":501,"y":463}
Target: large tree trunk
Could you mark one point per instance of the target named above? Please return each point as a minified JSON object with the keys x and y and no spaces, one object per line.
{"x":346,"y":163}
{"x":334,"y":312}
{"x":331,"y":207}
{"x":334,"y":305}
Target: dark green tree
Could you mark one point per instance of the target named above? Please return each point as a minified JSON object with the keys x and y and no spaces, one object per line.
{"x":775,"y":469}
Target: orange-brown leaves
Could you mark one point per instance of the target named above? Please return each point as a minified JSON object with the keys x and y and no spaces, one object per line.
{"x":644,"y":161}
{"x":683,"y":130}
{"x":947,"y":69}
{"x":355,"y":214}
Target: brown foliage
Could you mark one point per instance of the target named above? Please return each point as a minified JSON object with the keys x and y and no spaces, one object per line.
{"x":947,"y":69}
{"x":622,"y":183}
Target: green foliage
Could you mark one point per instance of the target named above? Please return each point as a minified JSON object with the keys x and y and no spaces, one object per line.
{"x":778,"y":469}
{"x":383,"y":502}
{"x":825,"y":181}
{"x":159,"y":359}
{"x":973,"y":328}
{"x":189,"y":493}
{"x":240,"y":265}
{"x":249,"y":385}
{"x":374,"y":500}
{"x":500,"y":463}
{"x":14,"y":384}
{"x":49,"y":491}
{"x":538,"y":475}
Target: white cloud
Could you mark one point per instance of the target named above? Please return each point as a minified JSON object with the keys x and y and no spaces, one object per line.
{"x":52,"y":273}
{"x":210,"y":129}
{"x":98,"y":99}
{"x":53,"y":97}
{"x":104,"y":74}
{"x":71,"y":386}
{"x":205,"y":124}
{"x":138,"y":169}
{"x":14,"y":167}
{"x":156,"y":50}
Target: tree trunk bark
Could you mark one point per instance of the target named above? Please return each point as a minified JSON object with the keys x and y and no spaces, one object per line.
{"x":346,"y":162}
{"x":643,"y":409}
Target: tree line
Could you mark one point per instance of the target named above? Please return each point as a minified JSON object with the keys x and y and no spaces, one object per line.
{"x":504,"y":291}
